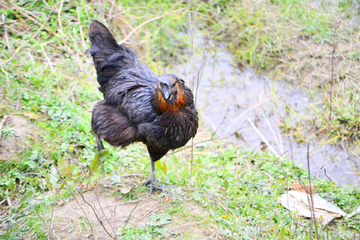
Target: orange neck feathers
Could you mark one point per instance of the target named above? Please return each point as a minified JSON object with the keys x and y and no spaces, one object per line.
{"x":180,"y":101}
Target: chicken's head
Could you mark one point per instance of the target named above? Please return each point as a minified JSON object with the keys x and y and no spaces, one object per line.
{"x":170,"y":93}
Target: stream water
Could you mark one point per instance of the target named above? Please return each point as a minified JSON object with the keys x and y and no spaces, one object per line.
{"x":227,"y":97}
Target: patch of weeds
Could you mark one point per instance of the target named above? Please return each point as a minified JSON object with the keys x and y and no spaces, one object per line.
{"x":153,"y":229}
{"x":8,"y":131}
{"x":343,"y":126}
{"x":345,"y":116}
{"x":137,"y":233}
{"x":29,"y":228}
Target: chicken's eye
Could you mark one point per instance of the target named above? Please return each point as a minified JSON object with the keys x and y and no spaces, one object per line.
{"x":174,"y":84}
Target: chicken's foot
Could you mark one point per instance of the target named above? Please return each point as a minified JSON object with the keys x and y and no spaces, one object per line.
{"x":152,"y":182}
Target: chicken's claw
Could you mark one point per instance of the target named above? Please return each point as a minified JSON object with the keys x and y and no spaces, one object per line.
{"x":155,"y":187}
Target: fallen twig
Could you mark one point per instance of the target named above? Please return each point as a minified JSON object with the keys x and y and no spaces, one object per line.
{"x":263,"y":138}
{"x":102,"y":210}
{"x":129,"y":218}
{"x":46,"y":56}
{"x":6,"y":34}
{"x":97,"y":217}
{"x":272,"y":131}
{"x":131,"y":202}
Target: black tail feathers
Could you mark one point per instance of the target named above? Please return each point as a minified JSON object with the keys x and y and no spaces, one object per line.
{"x":101,"y":36}
{"x":109,"y":57}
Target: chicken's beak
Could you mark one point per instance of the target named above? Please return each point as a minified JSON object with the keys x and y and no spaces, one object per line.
{"x":167,"y":93}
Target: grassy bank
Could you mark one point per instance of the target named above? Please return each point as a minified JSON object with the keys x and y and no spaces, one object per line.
{"x":49,"y":88}
{"x":233,"y":193}
{"x":314,"y":44}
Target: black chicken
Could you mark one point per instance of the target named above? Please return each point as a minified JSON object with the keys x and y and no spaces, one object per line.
{"x":138,"y":105}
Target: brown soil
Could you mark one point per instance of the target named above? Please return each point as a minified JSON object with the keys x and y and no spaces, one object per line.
{"x":71,"y":221}
{"x":10,"y":146}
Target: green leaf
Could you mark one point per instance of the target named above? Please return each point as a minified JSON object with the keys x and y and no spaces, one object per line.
{"x":11,"y":185}
{"x":98,"y":160}
{"x":65,"y":168}
{"x":162,"y":166}
{"x":62,"y":185}
{"x":159,"y":165}
{"x":48,"y":182}
{"x":226,"y":185}
{"x":165,"y":167}
{"x":174,"y":159}
{"x":282,"y":233}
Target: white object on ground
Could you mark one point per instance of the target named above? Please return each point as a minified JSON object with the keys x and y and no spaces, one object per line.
{"x":323,"y":210}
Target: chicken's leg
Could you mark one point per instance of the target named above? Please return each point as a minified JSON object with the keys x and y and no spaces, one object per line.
{"x":99,"y":143}
{"x":152,"y":181}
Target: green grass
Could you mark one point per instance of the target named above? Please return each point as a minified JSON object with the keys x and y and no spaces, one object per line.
{"x":237,"y":189}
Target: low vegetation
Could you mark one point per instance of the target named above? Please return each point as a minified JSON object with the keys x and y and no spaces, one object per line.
{"x":217,"y":190}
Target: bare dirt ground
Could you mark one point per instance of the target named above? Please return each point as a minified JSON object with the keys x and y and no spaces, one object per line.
{"x":11,"y":145}
{"x":72,"y":220}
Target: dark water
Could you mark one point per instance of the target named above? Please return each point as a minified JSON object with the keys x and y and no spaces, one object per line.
{"x":227,"y":97}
